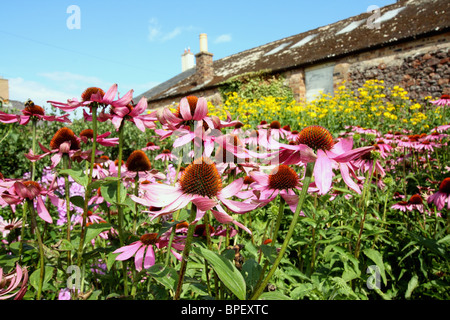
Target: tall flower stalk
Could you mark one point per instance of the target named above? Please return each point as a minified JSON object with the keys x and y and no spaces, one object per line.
{"x":306,"y":182}
{"x":94,"y":107}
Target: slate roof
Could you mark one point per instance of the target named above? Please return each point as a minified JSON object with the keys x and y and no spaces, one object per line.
{"x":399,"y":22}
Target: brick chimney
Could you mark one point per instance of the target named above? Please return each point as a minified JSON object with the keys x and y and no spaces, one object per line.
{"x":204,"y":62}
{"x":4,"y":89}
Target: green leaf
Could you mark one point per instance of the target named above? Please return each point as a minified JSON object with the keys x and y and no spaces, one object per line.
{"x":273,"y":295}
{"x":78,"y":175}
{"x":412,"y":284}
{"x":110,"y":259}
{"x":35,"y":277}
{"x":270,"y":252}
{"x":166,"y":276}
{"x":95,"y":229}
{"x":77,"y":201}
{"x":376,"y":257}
{"x":226,"y":271}
{"x":251,"y":271}
{"x":109,"y":192}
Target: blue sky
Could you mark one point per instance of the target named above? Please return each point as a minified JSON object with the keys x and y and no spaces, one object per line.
{"x":138,"y":44}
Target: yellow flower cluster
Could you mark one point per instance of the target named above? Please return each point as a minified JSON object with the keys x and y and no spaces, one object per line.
{"x":372,"y":105}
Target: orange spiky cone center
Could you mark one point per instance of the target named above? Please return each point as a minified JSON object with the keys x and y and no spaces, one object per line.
{"x":149,"y":238}
{"x":88,"y":133}
{"x":444,"y":187}
{"x":316,"y":137}
{"x":283,"y":177}
{"x":86,"y":95}
{"x":415,"y":199}
{"x":275,"y":125}
{"x":138,"y":161}
{"x":33,"y":109}
{"x":64,"y":135}
{"x":201,"y":178}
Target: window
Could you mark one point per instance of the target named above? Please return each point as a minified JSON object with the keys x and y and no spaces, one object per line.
{"x":319,"y":79}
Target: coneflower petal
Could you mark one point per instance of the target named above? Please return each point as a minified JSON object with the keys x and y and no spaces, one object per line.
{"x":323,"y":173}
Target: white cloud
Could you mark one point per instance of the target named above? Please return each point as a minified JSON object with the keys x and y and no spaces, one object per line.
{"x":223,"y":38}
{"x":155,"y":32}
{"x":22,"y":90}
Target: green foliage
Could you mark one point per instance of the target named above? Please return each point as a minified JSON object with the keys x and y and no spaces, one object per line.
{"x":255,"y":85}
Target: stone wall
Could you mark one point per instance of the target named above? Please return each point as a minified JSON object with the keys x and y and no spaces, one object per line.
{"x":421,"y":67}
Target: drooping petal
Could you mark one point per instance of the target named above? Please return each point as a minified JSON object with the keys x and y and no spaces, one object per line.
{"x":353,"y":154}
{"x":42,"y":210}
{"x":323,"y":173}
{"x":232,"y":189}
{"x":149,"y":257}
{"x":204,"y":203}
{"x":347,"y":179}
{"x":138,"y":257}
{"x":127,"y":251}
{"x":238,"y":206}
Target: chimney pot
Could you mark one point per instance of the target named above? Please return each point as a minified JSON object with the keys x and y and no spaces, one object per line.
{"x":203,"y":42}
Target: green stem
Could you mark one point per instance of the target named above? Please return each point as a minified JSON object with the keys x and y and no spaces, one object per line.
{"x":187,"y":248}
{"x":22,"y":232}
{"x":67,"y":195}
{"x":88,"y":186}
{"x":367,"y":185}
{"x":278,"y":221}
{"x":119,"y":205}
{"x":41,"y":248}
{"x":33,"y":147}
{"x":301,"y":200}
{"x":172,"y":234}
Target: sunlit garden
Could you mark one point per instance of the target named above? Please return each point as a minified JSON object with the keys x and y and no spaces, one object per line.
{"x":261,"y":197}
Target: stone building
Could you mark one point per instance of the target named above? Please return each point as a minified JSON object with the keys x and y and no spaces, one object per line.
{"x":404,"y":44}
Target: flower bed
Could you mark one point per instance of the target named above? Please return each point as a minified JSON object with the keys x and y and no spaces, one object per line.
{"x":344,"y":197}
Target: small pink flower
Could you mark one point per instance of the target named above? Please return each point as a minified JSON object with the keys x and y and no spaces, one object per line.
{"x":166,"y":155}
{"x":444,"y":100}
{"x":30,"y":190}
{"x":143,"y":250}
{"x":442,"y":195}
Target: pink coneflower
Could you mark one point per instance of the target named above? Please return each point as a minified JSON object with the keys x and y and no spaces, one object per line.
{"x":63,"y":142}
{"x":166,"y":155}
{"x":151,"y":146}
{"x":6,"y":226}
{"x":328,"y":153}
{"x":143,"y":250}
{"x":442,"y":195}
{"x":29,"y":112}
{"x":201,"y":185}
{"x":282,"y":180}
{"x":402,"y":206}
{"x":91,"y":218}
{"x":189,"y":110}
{"x":30,"y":190}
{"x":416,"y":203}
{"x":10,"y":282}
{"x":133,"y":113}
{"x":94,"y":94}
{"x":88,"y":135}
{"x":444,"y":100}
